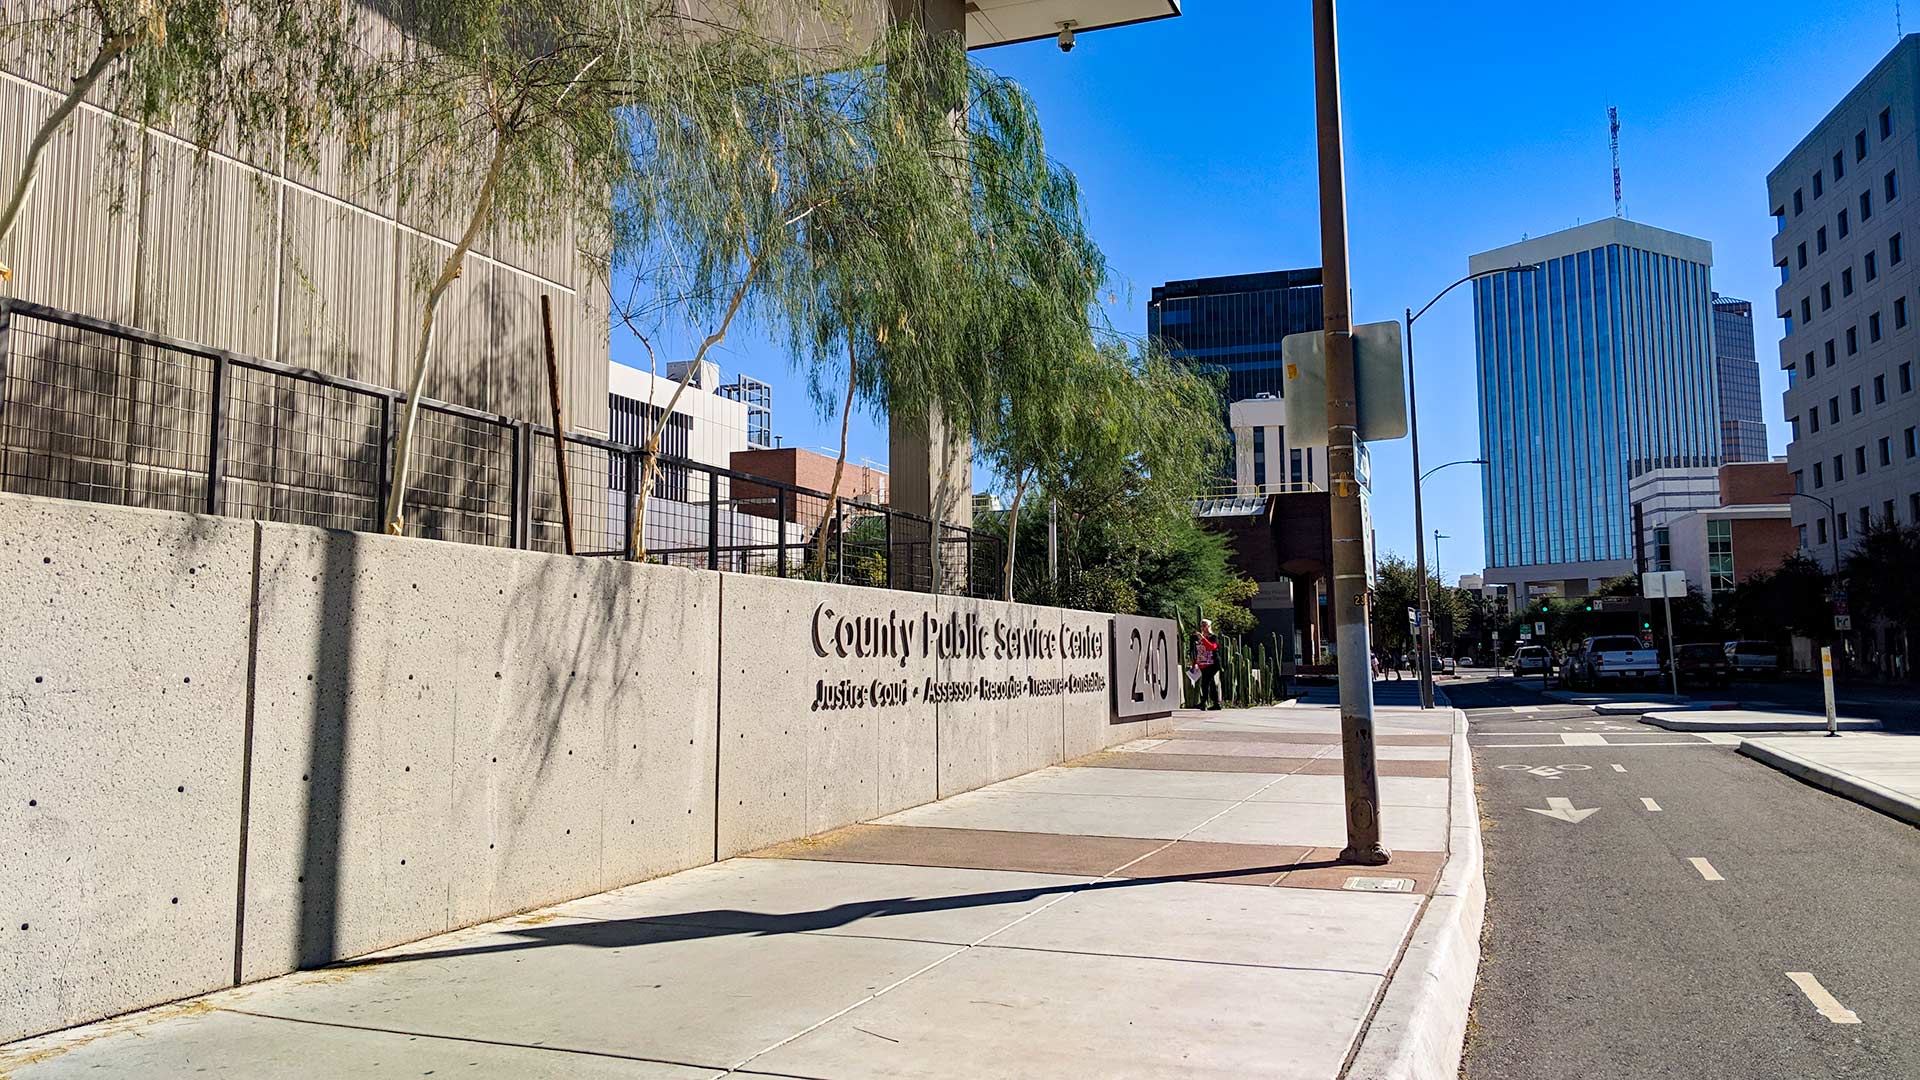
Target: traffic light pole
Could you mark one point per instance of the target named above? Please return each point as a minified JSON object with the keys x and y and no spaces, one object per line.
{"x":1355,"y":653}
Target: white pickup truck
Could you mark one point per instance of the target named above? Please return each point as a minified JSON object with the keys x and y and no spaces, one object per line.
{"x":1615,"y":658}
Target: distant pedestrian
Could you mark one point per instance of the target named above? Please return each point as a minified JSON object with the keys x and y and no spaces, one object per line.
{"x":1206,"y":658}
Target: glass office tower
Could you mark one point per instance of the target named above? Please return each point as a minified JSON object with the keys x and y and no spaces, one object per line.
{"x":1743,"y":428}
{"x":1595,"y":368}
{"x":1236,"y":323}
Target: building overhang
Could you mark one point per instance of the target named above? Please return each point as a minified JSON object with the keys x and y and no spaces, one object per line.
{"x":1010,"y":22}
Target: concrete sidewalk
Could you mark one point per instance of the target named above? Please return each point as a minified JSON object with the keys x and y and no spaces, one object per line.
{"x":1170,"y":908}
{"x":1882,"y":771}
{"x":1755,"y":718}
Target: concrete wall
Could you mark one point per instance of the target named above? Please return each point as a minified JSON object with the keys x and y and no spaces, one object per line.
{"x":231,"y":749}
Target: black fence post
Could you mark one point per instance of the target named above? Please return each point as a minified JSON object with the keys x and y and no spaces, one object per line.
{"x":519,"y":532}
{"x":383,"y":462}
{"x":840,"y":544}
{"x":628,"y":546}
{"x":780,"y":513}
{"x":713,"y":520}
{"x":6,"y":371}
{"x":216,"y":432}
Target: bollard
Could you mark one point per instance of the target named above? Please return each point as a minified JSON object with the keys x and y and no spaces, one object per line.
{"x":1826,"y":679}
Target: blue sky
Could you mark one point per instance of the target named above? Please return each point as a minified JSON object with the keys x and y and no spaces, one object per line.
{"x":1468,"y":125}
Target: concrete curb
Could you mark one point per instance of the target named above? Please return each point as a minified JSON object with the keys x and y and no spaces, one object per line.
{"x":1691,"y":721}
{"x":1889,"y":802}
{"x":1420,"y":1029}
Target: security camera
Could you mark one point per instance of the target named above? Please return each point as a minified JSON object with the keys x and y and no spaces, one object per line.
{"x":1066,"y":36}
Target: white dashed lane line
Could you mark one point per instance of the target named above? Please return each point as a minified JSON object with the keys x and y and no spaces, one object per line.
{"x":1826,"y":1003}
{"x":1650,"y":804}
{"x":1706,"y":869}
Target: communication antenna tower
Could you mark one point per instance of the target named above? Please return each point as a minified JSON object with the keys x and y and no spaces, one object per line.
{"x":1613,"y":144}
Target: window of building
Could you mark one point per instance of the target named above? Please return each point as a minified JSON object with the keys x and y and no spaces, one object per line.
{"x":1841,"y":221}
{"x":1802,"y":253}
{"x":1860,"y":146}
{"x":1833,"y":409}
{"x":1799,"y":203}
{"x":1806,"y":312}
{"x":1802,"y":530}
{"x":1879,"y":389}
{"x":1819,"y":188}
{"x":1820,"y":526}
{"x":1799,"y":481}
{"x":1294,"y":465}
{"x":1873,"y":328}
{"x":1793,"y":428}
{"x":1846,"y":282}
{"x":1886,"y":124}
{"x":1829,"y":352}
{"x":1886,"y":451}
{"x":1720,"y":557}
{"x":1913,"y":508}
{"x":1259,"y":457}
{"x":1866,"y":206}
{"x":1906,"y":377}
{"x":1853,"y":399}
{"x":1873,"y":265}
{"x":1826,"y":296}
{"x":1839,"y":468}
{"x":1841,"y":521}
{"x":1813,"y":420}
{"x":1886,"y":511}
{"x":1893,"y":250}
{"x":1820,"y":240}
{"x":1859,"y":461}
{"x":1890,"y":187}
{"x":1662,"y":549}
{"x":1853,"y":340}
{"x":1839,"y":166}
{"x":1913,"y":441}
{"x":1866,"y":519}
{"x":1819,"y":476}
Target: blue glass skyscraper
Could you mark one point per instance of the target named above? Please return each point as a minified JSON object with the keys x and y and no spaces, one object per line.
{"x":1594,"y":369}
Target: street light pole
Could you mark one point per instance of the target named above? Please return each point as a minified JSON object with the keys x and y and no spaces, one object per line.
{"x":1423,"y":646}
{"x":1348,"y":514}
{"x":1422,"y":661}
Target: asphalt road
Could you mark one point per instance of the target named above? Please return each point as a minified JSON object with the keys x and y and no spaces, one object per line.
{"x":1610,"y":953}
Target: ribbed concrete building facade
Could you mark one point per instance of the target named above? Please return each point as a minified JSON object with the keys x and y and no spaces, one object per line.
{"x":1847,"y":299}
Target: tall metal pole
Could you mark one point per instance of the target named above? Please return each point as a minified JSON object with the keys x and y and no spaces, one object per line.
{"x":1673,"y":656}
{"x":1349,"y":542}
{"x":1423,"y":666}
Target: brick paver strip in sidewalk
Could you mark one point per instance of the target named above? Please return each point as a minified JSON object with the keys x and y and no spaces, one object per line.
{"x":1290,"y":866}
{"x":972,"y":849}
{"x":1329,"y":766}
{"x":1319,"y":738}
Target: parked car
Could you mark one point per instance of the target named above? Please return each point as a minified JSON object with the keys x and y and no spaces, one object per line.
{"x":1753,"y":659}
{"x":1446,"y":666}
{"x":1466,"y":661}
{"x":1703,"y":663}
{"x":1532,"y":660}
{"x":1615,"y":658}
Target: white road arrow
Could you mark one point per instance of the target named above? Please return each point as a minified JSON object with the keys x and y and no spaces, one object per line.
{"x":1562,"y":809}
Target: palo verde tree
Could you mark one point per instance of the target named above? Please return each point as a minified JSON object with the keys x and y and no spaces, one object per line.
{"x":244,"y":76}
{"x":703,"y":136}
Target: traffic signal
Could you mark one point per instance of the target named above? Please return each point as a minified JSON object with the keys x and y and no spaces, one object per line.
{"x":1589,"y":607}
{"x":1646,"y":624}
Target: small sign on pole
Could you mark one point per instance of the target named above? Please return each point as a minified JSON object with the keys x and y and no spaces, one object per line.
{"x":1540,"y":628}
{"x":1826,"y":680}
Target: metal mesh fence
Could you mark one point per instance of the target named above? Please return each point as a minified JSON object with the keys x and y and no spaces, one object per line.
{"x":103,"y":413}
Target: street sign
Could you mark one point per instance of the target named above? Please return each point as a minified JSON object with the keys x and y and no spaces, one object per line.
{"x":1540,"y":628}
{"x":1616,"y":603}
{"x":1843,"y":622}
{"x":1413,"y":619}
{"x":1379,"y":384}
{"x":1660,"y":584}
{"x":1526,"y":633}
